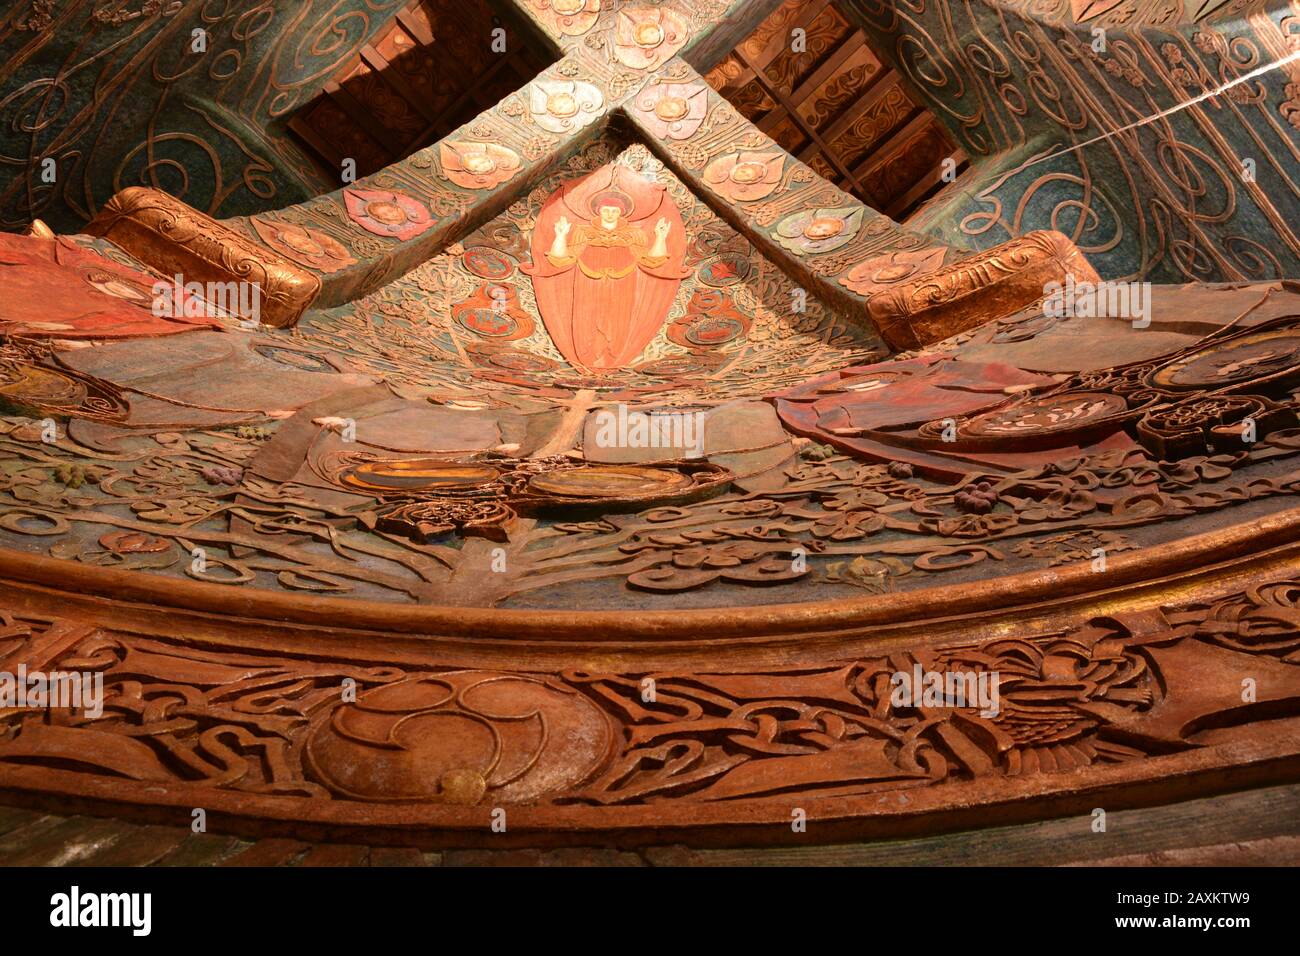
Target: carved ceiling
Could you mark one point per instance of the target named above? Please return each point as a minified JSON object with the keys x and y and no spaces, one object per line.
{"x":1160,"y":135}
{"x":836,"y":106}
{"x":603,"y":465}
{"x":123,"y":94}
{"x":256,"y":111}
{"x":399,"y":92}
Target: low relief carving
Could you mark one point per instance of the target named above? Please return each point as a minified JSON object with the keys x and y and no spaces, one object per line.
{"x":584,"y":483}
{"x":1139,"y":689}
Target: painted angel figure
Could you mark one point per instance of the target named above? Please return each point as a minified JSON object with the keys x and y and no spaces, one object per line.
{"x":604,"y":282}
{"x":608,"y":233}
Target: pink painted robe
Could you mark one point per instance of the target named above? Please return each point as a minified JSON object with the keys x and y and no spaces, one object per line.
{"x":605,"y":301}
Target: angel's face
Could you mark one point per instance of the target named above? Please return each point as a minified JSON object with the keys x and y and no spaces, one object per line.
{"x":609,"y":216}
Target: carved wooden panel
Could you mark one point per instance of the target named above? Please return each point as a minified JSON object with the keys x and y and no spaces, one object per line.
{"x":123,"y":94}
{"x":1161,"y":135}
{"x":425,"y":73}
{"x":826,"y":97}
{"x":586,"y":489}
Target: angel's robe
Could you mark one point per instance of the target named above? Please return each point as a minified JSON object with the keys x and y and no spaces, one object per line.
{"x":605,"y":300}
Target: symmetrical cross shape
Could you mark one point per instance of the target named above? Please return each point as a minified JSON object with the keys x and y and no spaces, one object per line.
{"x":637,"y":63}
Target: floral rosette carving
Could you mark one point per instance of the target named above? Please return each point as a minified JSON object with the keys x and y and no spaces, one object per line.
{"x":387,"y":213}
{"x":647,"y":37}
{"x":564,"y":106}
{"x":477,"y":165}
{"x":885,"y":272}
{"x":815,"y":231}
{"x":745,"y":177}
{"x":570,"y":18}
{"x":304,"y":245}
{"x":673,"y":110}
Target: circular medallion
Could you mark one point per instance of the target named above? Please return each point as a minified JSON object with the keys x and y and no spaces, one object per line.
{"x":519,"y":361}
{"x":1219,"y":365}
{"x":1050,"y":414}
{"x":488,"y":263}
{"x":489,"y":322}
{"x":561,"y":104}
{"x":746,"y":173}
{"x":454,"y":737}
{"x":823,"y":227}
{"x":649,"y":35}
{"x":671,"y":108}
{"x":417,"y":474}
{"x":678,"y":366}
{"x":610,"y":481}
{"x":597,"y":383}
{"x":714,"y":330}
{"x":389,"y":213}
{"x":724,"y":270}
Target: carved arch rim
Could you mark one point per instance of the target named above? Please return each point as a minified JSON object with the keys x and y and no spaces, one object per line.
{"x":202,"y":612}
